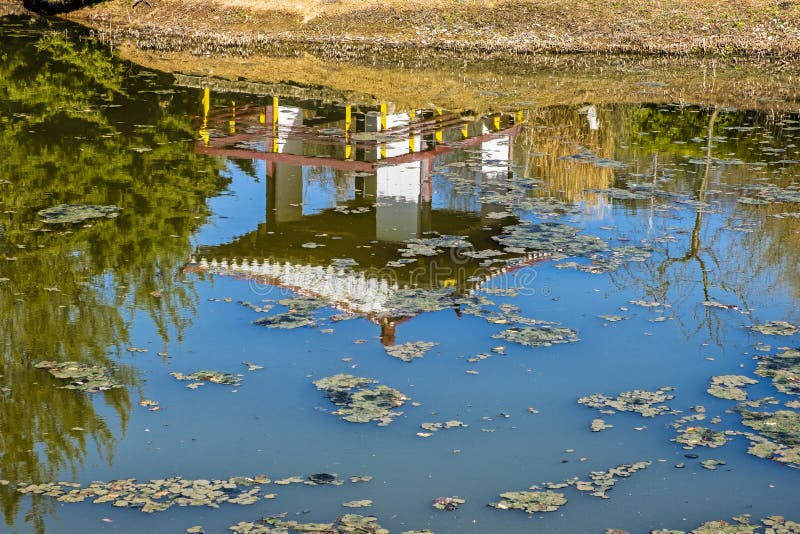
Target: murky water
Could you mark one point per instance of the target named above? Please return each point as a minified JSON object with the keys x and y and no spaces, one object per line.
{"x":633,"y":246}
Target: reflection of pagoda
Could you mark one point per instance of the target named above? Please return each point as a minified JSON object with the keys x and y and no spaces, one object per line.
{"x":364,"y":180}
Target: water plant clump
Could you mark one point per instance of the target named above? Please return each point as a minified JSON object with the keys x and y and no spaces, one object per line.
{"x":345,"y":524}
{"x":215,"y":377}
{"x":598,"y":425}
{"x":360,"y":400}
{"x":641,"y":401}
{"x":76,"y":213}
{"x":603,"y":481}
{"x":730,"y":386}
{"x":698,"y":436}
{"x":81,"y":376}
{"x":432,"y":246}
{"x":775,"y":524}
{"x":560,"y":240}
{"x":777,"y":437}
{"x":530,"y":501}
{"x":447,"y":504}
{"x":776,"y":328}
{"x":154,"y":495}
{"x":538,"y":336}
{"x":411,"y":350}
{"x":300,"y":313}
{"x":784,"y":369}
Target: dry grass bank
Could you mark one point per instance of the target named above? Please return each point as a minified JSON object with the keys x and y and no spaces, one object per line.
{"x":729,"y":27}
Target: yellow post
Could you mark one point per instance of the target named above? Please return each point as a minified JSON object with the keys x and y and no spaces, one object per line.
{"x":348,"y":151}
{"x":383,"y":116}
{"x":383,"y":150}
{"x":232,"y":122}
{"x":497,"y":122}
{"x":412,"y":114}
{"x":520,"y":116}
{"x":465,"y":130}
{"x":348,"y":118}
{"x":411,"y":143}
{"x":274,"y":112}
{"x":438,"y":135}
{"x":204,"y":134}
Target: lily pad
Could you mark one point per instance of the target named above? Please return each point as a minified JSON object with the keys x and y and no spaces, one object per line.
{"x":76,"y":213}
{"x":530,"y":501}
{"x":411,"y":350}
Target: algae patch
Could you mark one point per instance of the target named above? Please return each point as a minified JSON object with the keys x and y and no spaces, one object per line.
{"x":76,"y":213}
{"x":360,"y":400}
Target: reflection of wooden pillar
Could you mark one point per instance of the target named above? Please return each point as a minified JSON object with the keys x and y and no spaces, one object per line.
{"x":426,"y":181}
{"x":388,"y":333}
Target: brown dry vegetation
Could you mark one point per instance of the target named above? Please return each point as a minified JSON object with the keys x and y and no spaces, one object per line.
{"x":500,"y":83}
{"x":751,"y":27}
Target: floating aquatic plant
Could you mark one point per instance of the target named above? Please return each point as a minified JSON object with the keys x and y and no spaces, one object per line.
{"x":359,"y":400}
{"x":530,"y":501}
{"x":538,"y":336}
{"x":411,"y":350}
{"x":641,"y":401}
{"x":215,"y":377}
{"x":76,"y":213}
{"x":82,"y":376}
{"x":784,"y":369}
{"x":730,"y":386}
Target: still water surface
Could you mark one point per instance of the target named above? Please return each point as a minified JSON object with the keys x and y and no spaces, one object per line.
{"x":396,"y":225}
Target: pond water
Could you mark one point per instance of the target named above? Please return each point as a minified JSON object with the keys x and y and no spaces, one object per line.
{"x":544,"y":254}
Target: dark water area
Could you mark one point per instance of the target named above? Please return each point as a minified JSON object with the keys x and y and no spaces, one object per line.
{"x":486,"y":271}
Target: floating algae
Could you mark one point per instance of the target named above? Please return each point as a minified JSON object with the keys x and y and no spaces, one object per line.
{"x":698,"y":436}
{"x":603,"y":481}
{"x":82,"y":376}
{"x":346,"y":524}
{"x":646,"y":403}
{"x":154,"y":495}
{"x":432,"y":246}
{"x":730,"y":386}
{"x":358,"y":402}
{"x":447,"y":504}
{"x":771,"y":525}
{"x":76,"y":213}
{"x":560,"y":240}
{"x":299,"y":314}
{"x":215,"y":377}
{"x":364,"y":503}
{"x":784,"y":369}
{"x":538,"y":336}
{"x":598,"y":425}
{"x":712,"y":464}
{"x":778,"y":435}
{"x":530,"y":501}
{"x":408,"y":351}
{"x":776,"y":328}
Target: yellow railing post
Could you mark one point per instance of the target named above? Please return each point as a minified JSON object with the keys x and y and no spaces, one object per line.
{"x":383,"y":116}
{"x":206,"y":101}
{"x":348,"y":118}
{"x":232,"y":122}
